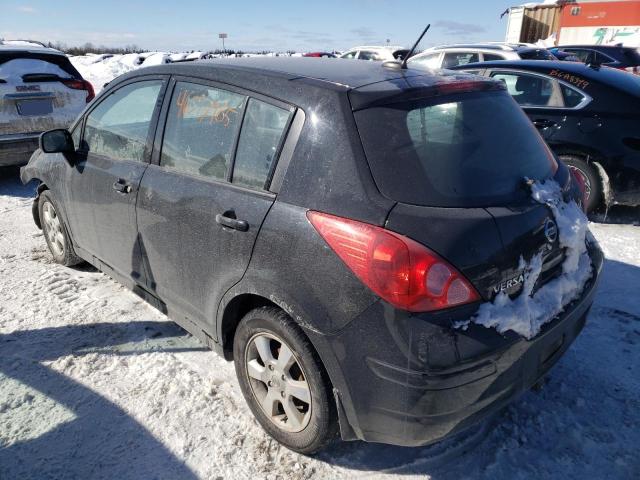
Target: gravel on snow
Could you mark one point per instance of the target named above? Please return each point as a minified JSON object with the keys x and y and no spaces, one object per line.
{"x":94,"y":383}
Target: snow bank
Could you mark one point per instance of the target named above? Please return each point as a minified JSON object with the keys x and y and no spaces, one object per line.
{"x":101,"y":69}
{"x":527,"y":313}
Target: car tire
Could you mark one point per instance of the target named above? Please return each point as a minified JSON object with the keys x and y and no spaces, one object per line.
{"x":591,"y":178}
{"x":283,"y":381}
{"x":55,"y":231}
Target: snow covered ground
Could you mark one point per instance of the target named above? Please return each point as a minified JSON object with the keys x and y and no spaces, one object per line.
{"x":96,"y":384}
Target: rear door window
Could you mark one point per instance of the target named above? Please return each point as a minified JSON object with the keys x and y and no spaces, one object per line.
{"x":369,"y":55}
{"x":531,"y":90}
{"x":536,"y":54}
{"x":572,"y":98}
{"x":262,"y":131}
{"x":466,"y":150}
{"x":453,"y":59}
{"x":585,"y":56}
{"x":489,"y":57}
{"x":602,"y":58}
{"x":119,"y":126}
{"x":429,"y":61}
{"x":201,"y":129}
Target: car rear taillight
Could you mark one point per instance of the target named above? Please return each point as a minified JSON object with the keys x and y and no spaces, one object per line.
{"x":580,"y":181}
{"x":81,"y":85}
{"x":401,"y":271}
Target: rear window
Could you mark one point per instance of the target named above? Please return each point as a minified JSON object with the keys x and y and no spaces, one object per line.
{"x":468,"y":150}
{"x":13,"y":66}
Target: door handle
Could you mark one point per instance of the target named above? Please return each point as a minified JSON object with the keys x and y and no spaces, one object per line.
{"x":227,"y":219}
{"x":543,"y":123}
{"x":121,"y":186}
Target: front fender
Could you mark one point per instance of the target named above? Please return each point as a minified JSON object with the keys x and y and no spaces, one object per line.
{"x":31,"y":170}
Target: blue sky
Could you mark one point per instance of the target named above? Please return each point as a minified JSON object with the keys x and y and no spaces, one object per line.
{"x":253,"y":25}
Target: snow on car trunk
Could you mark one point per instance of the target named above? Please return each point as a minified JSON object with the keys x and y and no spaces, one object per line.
{"x":529,"y":311}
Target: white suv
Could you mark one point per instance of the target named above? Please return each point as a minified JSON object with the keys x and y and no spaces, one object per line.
{"x":380,"y":54}
{"x":447,"y":56}
{"x":39,"y":90}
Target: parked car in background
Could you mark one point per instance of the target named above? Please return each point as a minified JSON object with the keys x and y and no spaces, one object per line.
{"x":616,"y":56}
{"x":39,"y":90}
{"x":320,"y":55}
{"x":589,"y":116}
{"x":447,"y":56}
{"x":380,"y":54}
{"x":328,"y":251}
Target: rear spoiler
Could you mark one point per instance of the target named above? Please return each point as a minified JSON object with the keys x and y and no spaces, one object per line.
{"x":419,"y":88}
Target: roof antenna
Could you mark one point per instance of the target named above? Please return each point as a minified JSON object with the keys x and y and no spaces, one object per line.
{"x":403,"y":64}
{"x":415,"y":45}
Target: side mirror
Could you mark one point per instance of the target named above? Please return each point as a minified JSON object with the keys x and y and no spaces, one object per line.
{"x":57,"y":141}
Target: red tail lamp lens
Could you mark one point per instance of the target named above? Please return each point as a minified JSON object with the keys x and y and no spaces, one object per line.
{"x":401,"y":271}
{"x":81,"y":85}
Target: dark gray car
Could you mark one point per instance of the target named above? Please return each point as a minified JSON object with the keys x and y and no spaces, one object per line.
{"x":326,"y":225}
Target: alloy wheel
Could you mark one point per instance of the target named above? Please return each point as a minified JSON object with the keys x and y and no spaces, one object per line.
{"x":278,"y":382}
{"x":53,"y":229}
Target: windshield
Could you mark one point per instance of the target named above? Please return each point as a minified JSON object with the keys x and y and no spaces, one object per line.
{"x":471,"y":150}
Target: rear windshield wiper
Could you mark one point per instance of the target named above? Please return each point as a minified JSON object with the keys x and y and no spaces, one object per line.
{"x":42,"y":77}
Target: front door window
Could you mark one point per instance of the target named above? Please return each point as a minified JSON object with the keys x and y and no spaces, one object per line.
{"x":118,"y":128}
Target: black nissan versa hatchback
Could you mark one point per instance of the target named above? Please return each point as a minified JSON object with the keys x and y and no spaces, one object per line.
{"x":324,"y":224}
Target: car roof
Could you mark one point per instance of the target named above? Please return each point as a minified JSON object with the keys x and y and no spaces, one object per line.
{"x":487,"y":46}
{"x":596,"y":47}
{"x":365,"y":82}
{"x":332,"y":73}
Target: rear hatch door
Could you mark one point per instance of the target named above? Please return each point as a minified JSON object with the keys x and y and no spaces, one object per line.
{"x":38,"y":92}
{"x":457,"y":164}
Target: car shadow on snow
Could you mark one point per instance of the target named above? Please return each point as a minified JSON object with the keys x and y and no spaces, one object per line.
{"x":96,"y":439}
{"x":10,"y":184}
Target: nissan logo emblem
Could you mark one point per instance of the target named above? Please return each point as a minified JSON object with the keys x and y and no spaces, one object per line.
{"x":550,"y":230}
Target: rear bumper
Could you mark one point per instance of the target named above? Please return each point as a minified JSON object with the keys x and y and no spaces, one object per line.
{"x":16,"y":149}
{"x":413,"y":380}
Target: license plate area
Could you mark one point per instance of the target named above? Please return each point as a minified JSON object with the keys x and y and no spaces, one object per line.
{"x":32,"y":107}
